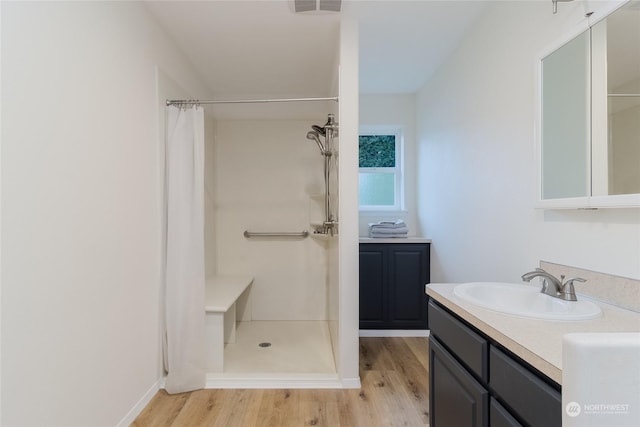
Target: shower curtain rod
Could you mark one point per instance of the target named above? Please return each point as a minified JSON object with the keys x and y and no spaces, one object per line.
{"x":246,"y":101}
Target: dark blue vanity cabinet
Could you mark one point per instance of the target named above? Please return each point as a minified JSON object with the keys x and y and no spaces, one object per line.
{"x":392,"y":281}
{"x":474,"y":382}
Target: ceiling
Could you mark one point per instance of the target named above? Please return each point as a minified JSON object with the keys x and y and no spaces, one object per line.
{"x":402,"y":43}
{"x":262,"y":49}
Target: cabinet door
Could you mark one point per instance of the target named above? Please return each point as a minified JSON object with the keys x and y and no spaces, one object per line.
{"x":500,"y":417}
{"x":373,"y":273}
{"x":408,"y":273}
{"x":455,"y":397}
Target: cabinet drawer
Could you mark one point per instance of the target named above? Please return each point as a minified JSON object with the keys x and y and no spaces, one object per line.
{"x":536,"y":402}
{"x":470,"y":347}
{"x":500,"y":417}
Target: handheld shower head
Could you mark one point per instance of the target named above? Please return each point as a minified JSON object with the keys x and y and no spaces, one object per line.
{"x":313,"y":135}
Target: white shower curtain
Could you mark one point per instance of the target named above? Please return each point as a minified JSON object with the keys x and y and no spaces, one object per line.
{"x":184,"y":350}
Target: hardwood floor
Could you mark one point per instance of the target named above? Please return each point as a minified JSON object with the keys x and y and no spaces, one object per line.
{"x":394,"y":376}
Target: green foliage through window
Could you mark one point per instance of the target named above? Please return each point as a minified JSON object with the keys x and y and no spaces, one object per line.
{"x":377,"y":151}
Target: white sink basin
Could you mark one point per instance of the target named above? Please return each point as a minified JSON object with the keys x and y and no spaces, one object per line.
{"x":525,"y":301}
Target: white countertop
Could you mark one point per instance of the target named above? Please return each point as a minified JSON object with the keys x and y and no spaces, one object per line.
{"x":538,"y":342}
{"x":410,"y":239}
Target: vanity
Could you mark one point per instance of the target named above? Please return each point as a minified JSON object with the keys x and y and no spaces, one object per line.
{"x":488,"y":368}
{"x":471,"y":374}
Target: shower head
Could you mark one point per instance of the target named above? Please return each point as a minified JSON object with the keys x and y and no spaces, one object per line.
{"x":319,"y":130}
{"x":313,"y":135}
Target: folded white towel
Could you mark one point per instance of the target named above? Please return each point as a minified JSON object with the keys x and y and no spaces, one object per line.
{"x":387,"y":232}
{"x":387,"y":224}
{"x":388,"y":236}
{"x":403,"y":230}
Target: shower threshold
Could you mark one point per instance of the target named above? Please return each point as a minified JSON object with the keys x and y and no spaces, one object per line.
{"x":277,"y":354}
{"x":273,"y":381}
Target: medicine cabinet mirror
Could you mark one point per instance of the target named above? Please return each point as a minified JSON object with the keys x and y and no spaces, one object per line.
{"x":590,"y":116}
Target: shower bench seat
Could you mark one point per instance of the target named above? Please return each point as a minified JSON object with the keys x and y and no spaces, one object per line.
{"x":221,"y":295}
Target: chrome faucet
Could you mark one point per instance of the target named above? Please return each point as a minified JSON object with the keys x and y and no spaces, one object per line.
{"x":551,"y":285}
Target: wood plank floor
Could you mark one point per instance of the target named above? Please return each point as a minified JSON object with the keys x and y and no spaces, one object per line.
{"x":394,"y":376}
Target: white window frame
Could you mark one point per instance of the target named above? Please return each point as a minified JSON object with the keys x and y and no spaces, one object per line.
{"x":398,"y":170}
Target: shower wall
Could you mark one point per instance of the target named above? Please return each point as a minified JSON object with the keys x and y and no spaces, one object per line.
{"x":264,"y":173}
{"x":210,"y":261}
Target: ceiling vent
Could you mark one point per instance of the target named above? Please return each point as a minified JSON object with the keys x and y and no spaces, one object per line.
{"x":317,"y":5}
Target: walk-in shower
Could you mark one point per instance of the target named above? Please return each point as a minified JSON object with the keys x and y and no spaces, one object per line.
{"x":273,"y":284}
{"x":327,"y":132}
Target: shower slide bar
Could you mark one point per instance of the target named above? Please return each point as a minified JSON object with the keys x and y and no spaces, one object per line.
{"x":246,"y":101}
{"x":249,"y":234}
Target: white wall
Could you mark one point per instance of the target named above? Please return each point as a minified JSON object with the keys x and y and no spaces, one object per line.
{"x":477,"y":177}
{"x":265,"y":172}
{"x":333,"y":253}
{"x":81,"y":217}
{"x":394,"y":111}
{"x":348,"y":189}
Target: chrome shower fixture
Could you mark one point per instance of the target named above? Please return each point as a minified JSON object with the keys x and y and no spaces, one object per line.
{"x":313,"y":135}
{"x":324,"y":137}
{"x":319,"y":130}
{"x":331,"y":124}
{"x":331,"y":120}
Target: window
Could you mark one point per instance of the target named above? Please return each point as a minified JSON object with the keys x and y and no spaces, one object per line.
{"x":380,"y":170}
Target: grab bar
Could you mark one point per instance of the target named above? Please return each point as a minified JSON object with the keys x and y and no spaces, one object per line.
{"x":249,"y":234}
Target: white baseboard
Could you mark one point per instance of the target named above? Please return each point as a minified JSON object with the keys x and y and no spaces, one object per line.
{"x":351,"y":382}
{"x":394,"y":333}
{"x":142,"y":403}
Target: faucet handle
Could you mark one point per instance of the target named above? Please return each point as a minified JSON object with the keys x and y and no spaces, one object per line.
{"x":568,"y":291}
{"x":573,"y":279}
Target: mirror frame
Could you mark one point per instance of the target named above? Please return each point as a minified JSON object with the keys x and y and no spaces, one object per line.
{"x":583,"y":202}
